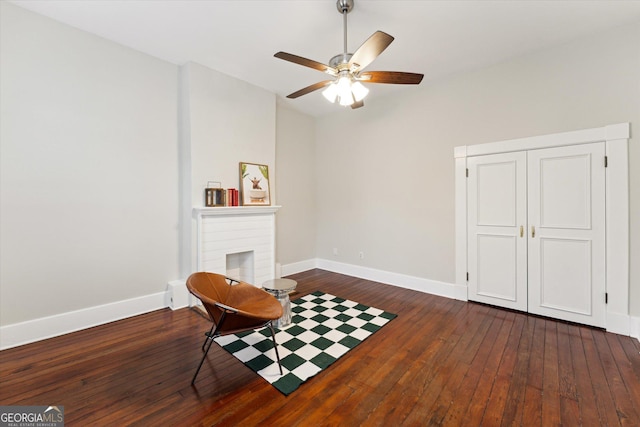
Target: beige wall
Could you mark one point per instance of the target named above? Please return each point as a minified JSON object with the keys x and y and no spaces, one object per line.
{"x":296,"y":183}
{"x":223,"y":121}
{"x":88,"y":187}
{"x":105,"y":152}
{"x":386,"y":188}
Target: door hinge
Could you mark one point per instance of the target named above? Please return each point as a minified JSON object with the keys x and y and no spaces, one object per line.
{"x":606,"y":161}
{"x":606,"y":298}
{"x":467,"y":276}
{"x":467,"y":172}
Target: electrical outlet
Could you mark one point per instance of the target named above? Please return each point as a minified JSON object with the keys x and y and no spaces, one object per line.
{"x":361,"y":255}
{"x":335,"y":251}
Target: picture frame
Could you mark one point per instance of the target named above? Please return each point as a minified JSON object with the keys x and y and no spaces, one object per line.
{"x":254,"y":184}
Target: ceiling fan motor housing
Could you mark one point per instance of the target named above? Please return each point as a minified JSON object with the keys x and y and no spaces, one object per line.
{"x":340,"y":59}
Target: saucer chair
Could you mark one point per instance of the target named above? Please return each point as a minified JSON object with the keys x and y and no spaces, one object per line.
{"x":233,"y":306}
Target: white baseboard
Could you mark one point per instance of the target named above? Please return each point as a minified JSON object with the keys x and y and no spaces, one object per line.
{"x":420,"y":284}
{"x":298,"y":267}
{"x":621,"y":324}
{"x":177,"y":296}
{"x":52,"y":326}
{"x":635,"y":327}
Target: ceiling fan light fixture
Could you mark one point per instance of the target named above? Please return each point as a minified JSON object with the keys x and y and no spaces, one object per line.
{"x":359,"y":91}
{"x":343,"y":84}
{"x":347,"y":68}
{"x":345,"y":90}
{"x":347,"y":99}
{"x":331,"y":92}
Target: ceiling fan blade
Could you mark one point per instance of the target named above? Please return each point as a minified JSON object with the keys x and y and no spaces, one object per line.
{"x":357,"y":104}
{"x":392,"y":77}
{"x":306,"y":62}
{"x":370,"y":49}
{"x":309,"y":89}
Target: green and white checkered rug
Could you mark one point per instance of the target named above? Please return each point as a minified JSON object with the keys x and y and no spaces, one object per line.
{"x":323,"y":328}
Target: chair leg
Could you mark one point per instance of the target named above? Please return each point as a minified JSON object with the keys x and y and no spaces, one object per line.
{"x":210,"y":339}
{"x":275,"y":345}
{"x":207,"y":336}
{"x":213,"y":333}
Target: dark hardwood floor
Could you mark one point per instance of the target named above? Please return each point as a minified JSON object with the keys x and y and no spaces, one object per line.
{"x":440,"y":362}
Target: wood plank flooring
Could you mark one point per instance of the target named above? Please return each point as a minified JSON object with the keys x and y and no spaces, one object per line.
{"x":440,"y":362}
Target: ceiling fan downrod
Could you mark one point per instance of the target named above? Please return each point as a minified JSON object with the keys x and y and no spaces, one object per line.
{"x":344,"y":7}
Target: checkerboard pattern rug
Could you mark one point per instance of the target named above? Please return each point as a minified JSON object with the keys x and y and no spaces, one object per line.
{"x":323,"y":328}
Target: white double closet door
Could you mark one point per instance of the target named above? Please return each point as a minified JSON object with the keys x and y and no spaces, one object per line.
{"x":536,"y":231}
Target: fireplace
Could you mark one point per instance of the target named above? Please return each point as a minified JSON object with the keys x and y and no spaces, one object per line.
{"x":240,"y":266}
{"x":237,"y":241}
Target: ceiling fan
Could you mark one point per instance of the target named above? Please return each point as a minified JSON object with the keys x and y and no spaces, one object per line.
{"x":348,"y":68}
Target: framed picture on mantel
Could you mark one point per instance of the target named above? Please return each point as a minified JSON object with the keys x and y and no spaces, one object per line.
{"x":254,"y":184}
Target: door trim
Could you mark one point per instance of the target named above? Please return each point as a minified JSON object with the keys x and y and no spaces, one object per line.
{"x":616,"y":138}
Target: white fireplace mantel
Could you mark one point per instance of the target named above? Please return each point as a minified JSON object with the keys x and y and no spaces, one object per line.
{"x":235,"y":210}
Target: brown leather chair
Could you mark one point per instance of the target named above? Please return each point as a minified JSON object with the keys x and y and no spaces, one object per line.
{"x":233,"y":306}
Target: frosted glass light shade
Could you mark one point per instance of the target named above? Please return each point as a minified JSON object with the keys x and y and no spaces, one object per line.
{"x":347,"y":99}
{"x":344,"y":86}
{"x":359,"y":91}
{"x":331,"y":92}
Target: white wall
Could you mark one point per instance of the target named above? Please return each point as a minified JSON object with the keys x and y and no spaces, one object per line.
{"x":231,"y":121}
{"x":224,"y":121}
{"x":296,"y":182}
{"x":387,"y":187}
{"x":88,"y":184}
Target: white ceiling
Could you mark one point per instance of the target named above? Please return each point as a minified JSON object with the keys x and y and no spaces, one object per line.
{"x":239,"y":37}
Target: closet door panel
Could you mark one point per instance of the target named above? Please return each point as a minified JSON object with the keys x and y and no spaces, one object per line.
{"x":562,"y":261}
{"x":566,"y":207}
{"x":564,"y":195}
{"x":497,"y":267}
{"x":496,"y":219}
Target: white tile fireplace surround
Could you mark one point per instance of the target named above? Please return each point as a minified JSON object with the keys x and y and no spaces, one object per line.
{"x":237,"y":241}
